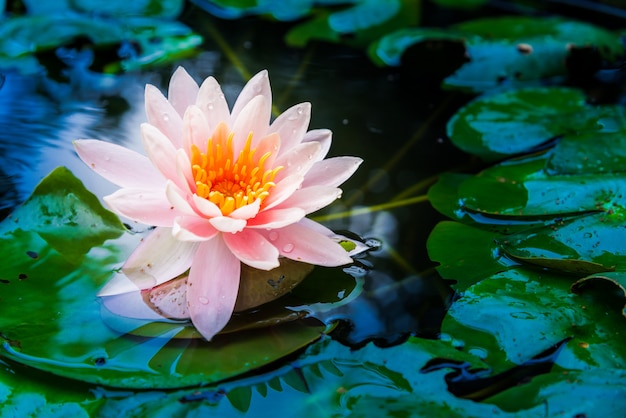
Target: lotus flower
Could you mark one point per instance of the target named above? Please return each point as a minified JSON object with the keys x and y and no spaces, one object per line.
{"x":222,"y":188}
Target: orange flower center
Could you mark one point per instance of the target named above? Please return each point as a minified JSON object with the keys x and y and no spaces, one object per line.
{"x":227,"y":182}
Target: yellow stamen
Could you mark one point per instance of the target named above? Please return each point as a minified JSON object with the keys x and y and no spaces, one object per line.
{"x":228,"y":182}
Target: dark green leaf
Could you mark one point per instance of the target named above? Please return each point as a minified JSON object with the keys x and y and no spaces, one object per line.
{"x":65,"y":214}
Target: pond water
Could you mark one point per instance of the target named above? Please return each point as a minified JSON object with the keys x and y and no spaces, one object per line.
{"x":389,"y":117}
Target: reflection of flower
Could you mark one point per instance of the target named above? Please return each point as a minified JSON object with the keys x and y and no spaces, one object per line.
{"x":221,"y":187}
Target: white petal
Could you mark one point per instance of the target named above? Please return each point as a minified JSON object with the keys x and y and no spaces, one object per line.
{"x":196,"y":130}
{"x":182,"y":91}
{"x":254,"y":118}
{"x":227,"y":224}
{"x":193,"y":228}
{"x":331,"y":172}
{"x":119,"y":165}
{"x":212,"y":103}
{"x":323,"y":136}
{"x":259,"y":85}
{"x":147,"y":206}
{"x":312,"y":198}
{"x":161,"y":114}
{"x":298,"y":160}
{"x":276,"y":218}
{"x":248,"y":211}
{"x":291,"y":125}
{"x":159,"y":258}
{"x":160,"y":151}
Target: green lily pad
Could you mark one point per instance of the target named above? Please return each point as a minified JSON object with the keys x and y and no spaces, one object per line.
{"x":476,"y":254}
{"x":505,"y":51}
{"x":51,"y":320}
{"x":461,"y":4}
{"x":520,"y":121}
{"x":589,"y":152}
{"x":523,"y":188}
{"x":351,"y":22}
{"x":357,"y":25}
{"x":158,"y":41}
{"x":169,"y":9}
{"x":516,"y":121}
{"x":68,"y":217}
{"x":585,"y":245}
{"x":521,"y":311}
{"x":615,"y":278}
{"x":597,"y":392}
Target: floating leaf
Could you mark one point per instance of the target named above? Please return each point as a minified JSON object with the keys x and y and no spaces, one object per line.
{"x":476,"y":253}
{"x":358,"y":25}
{"x":137,"y":42}
{"x":505,"y":51}
{"x":616,"y":278}
{"x":521,"y":311}
{"x":65,"y":214}
{"x":51,"y":320}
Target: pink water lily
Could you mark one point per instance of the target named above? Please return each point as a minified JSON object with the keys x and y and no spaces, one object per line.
{"x":222,"y":187}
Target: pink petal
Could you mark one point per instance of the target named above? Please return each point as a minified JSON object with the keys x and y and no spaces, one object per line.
{"x":182,"y":91}
{"x":321,"y":229}
{"x":193,"y":228}
{"x":119,"y":165}
{"x":148,"y":206}
{"x":248,"y":211}
{"x":212,"y":103}
{"x":312,"y":198}
{"x":331,"y":172}
{"x":253,"y":249}
{"x":183,"y":171}
{"x":269,"y":143}
{"x":196,"y":130}
{"x":298,"y":160}
{"x":161,"y":114}
{"x":228,"y":224}
{"x":291,"y":125}
{"x":258,"y":85}
{"x":212,"y":287}
{"x":254,"y":118}
{"x":158,"y":258}
{"x":303,"y":244}
{"x":161,"y":152}
{"x":323,"y":136}
{"x":276,"y":218}
{"x":178,"y":199}
{"x":283,"y":189}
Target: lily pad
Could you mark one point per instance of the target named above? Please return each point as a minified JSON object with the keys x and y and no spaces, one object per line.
{"x":615,"y":278}
{"x":521,"y":311}
{"x":138,"y":42}
{"x":169,"y":9}
{"x":68,"y":217}
{"x":476,"y":255}
{"x":50,"y":318}
{"x":505,"y":51}
{"x":352,"y":22}
{"x":521,"y":121}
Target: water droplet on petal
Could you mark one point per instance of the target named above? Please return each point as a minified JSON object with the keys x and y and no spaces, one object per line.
{"x":273,"y":236}
{"x":166,"y":117}
{"x":203,"y":300}
{"x":288,"y":248}
{"x":299,"y":110}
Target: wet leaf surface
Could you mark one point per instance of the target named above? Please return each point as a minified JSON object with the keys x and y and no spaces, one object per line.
{"x":507,"y":51}
{"x":50,"y":319}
